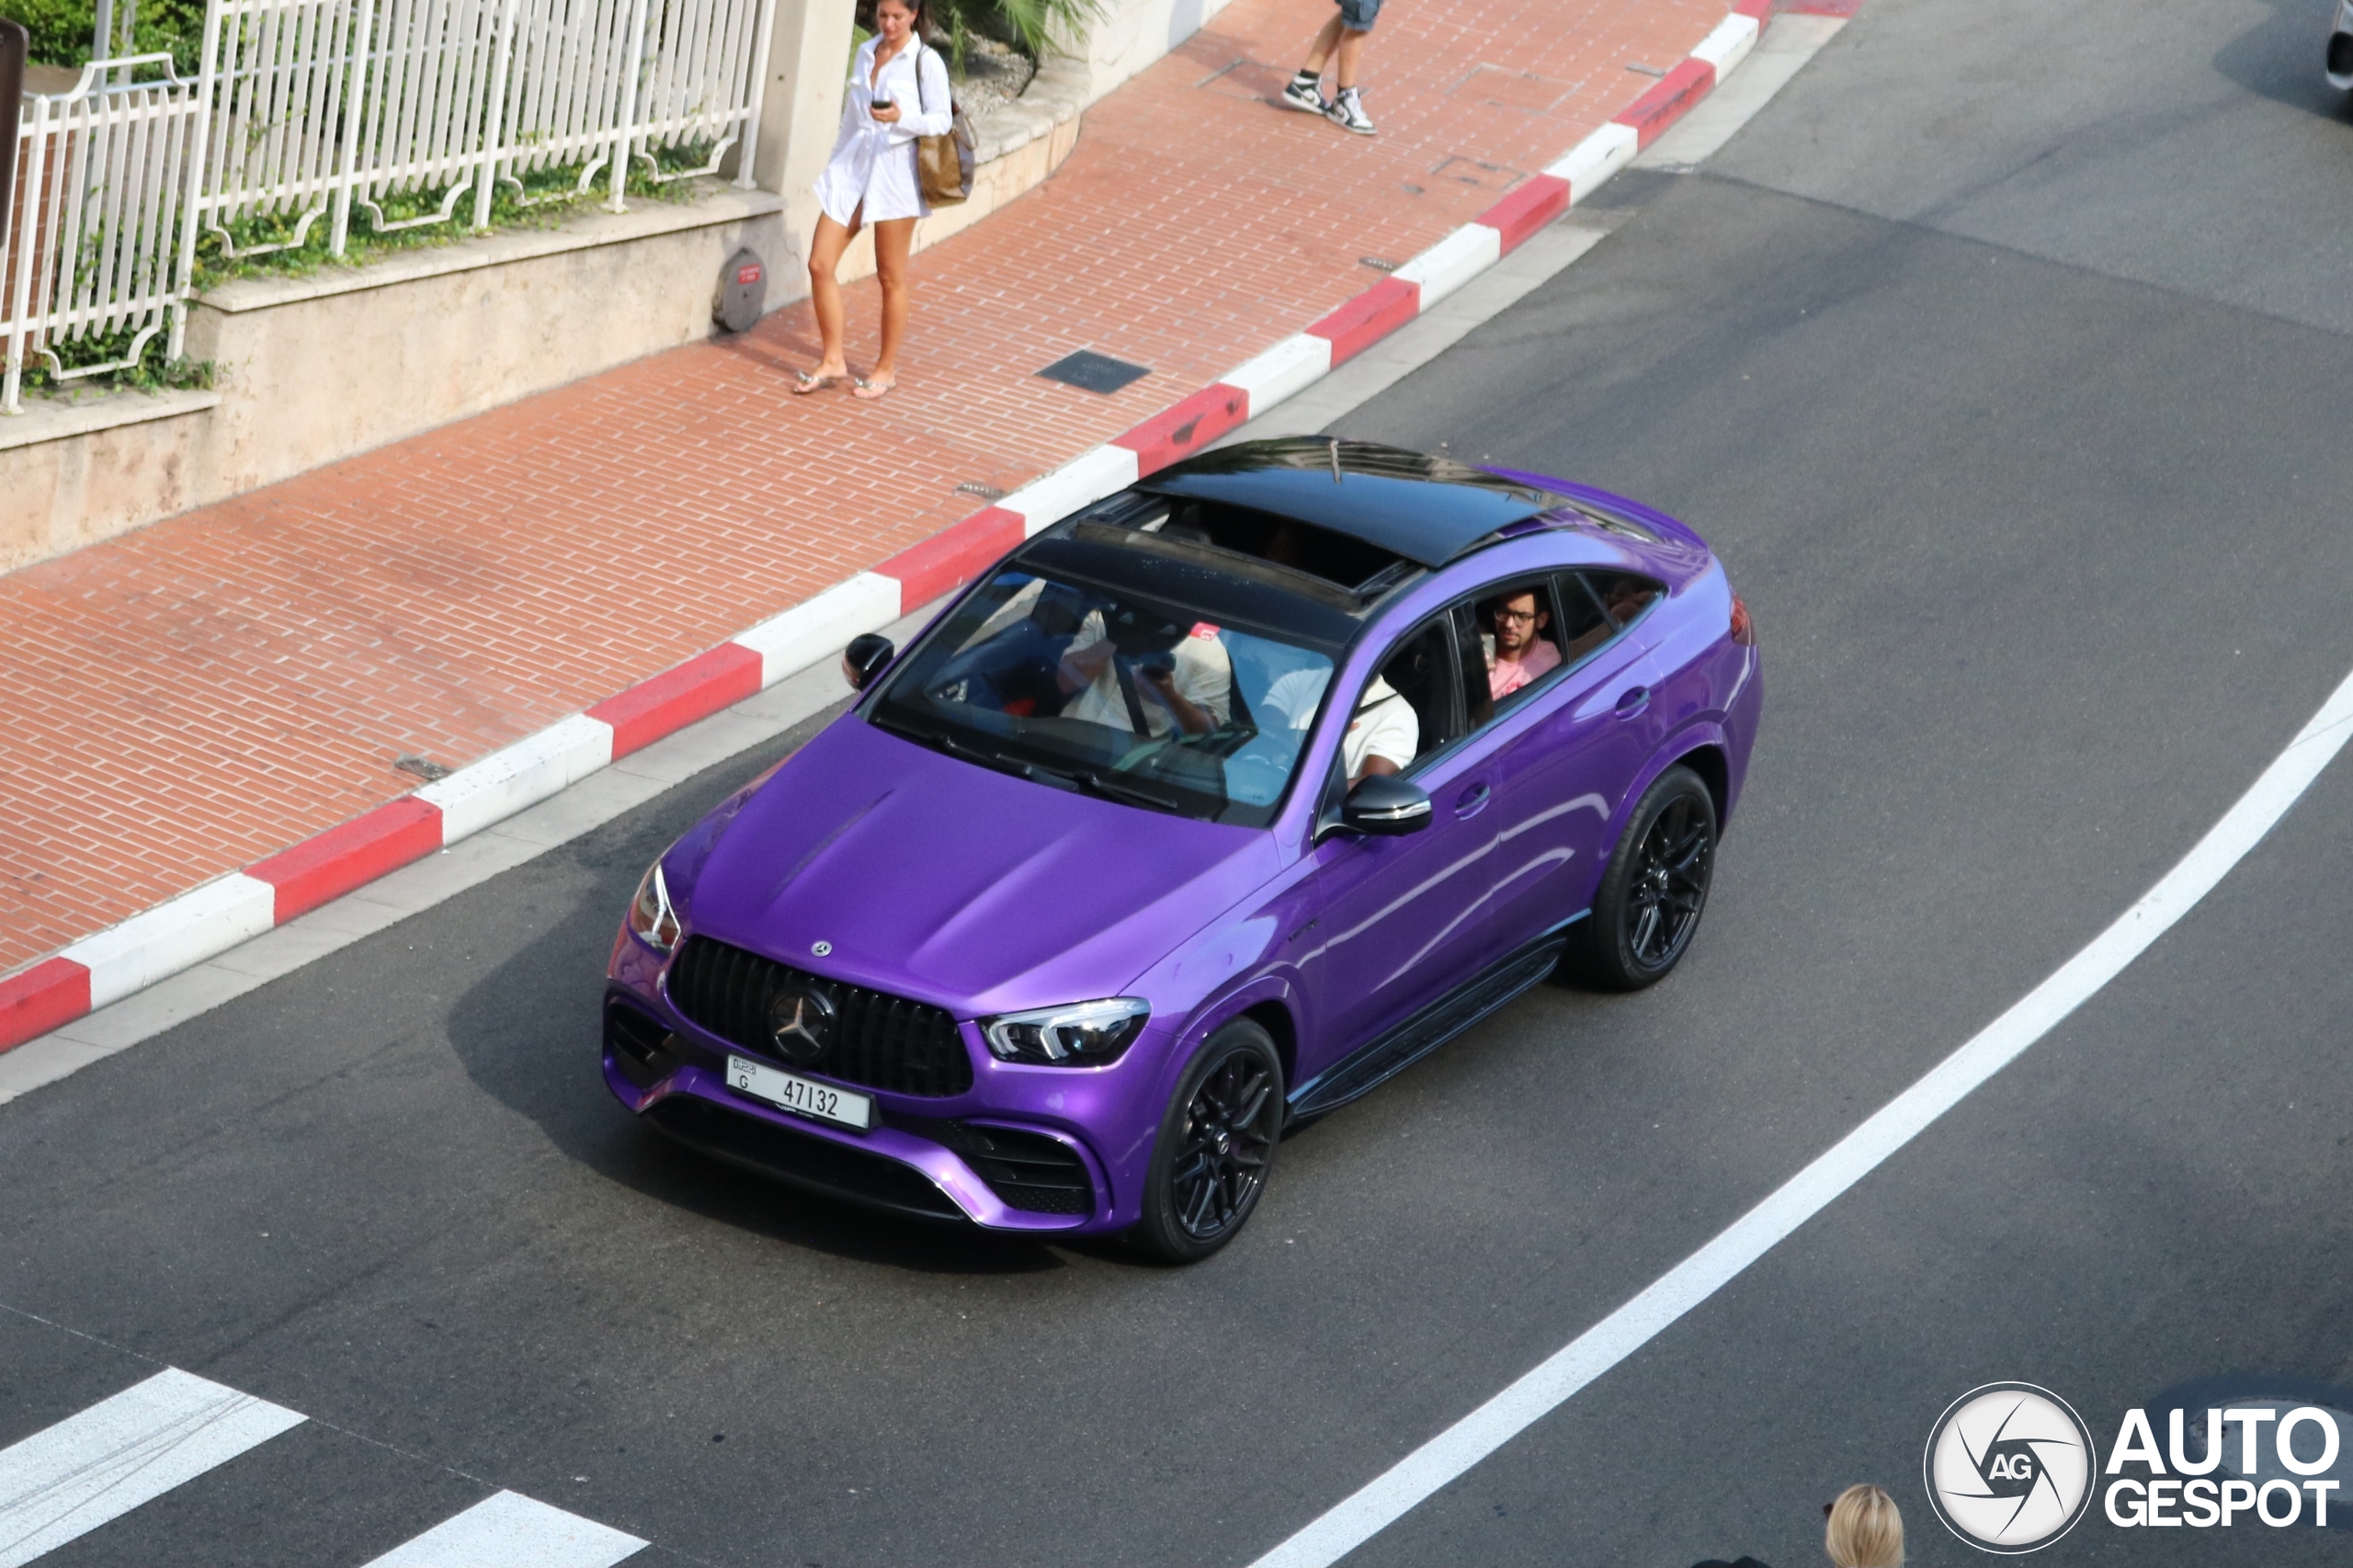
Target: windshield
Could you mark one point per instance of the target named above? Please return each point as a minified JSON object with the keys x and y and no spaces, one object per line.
{"x":1082,"y":686}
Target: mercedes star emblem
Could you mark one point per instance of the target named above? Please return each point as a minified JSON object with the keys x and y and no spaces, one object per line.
{"x":820,"y":949}
{"x":800,"y":1021}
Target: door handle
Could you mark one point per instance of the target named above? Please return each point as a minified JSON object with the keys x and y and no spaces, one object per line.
{"x":1632,"y":700}
{"x":1471,"y":802}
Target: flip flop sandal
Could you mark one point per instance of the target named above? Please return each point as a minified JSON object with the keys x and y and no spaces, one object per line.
{"x":869,"y":392}
{"x":808,"y":383}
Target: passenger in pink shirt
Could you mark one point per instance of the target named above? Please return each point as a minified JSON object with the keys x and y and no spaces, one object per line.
{"x":1520,"y":651}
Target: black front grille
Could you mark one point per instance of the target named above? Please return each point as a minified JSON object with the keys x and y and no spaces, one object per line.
{"x":1028,"y":1170}
{"x":882,"y":1041}
{"x":802,"y":1159}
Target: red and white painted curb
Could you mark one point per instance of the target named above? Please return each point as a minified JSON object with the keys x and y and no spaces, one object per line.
{"x":185,"y":931}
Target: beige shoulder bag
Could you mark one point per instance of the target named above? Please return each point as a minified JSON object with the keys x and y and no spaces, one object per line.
{"x":944,"y":164}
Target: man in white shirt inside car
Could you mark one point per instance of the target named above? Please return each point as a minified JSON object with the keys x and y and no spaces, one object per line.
{"x":1383,"y":733}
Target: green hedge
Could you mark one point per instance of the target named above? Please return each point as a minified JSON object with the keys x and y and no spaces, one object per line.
{"x":60,"y":29}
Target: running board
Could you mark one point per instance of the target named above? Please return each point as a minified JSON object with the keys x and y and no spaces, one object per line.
{"x":1366,"y":1069}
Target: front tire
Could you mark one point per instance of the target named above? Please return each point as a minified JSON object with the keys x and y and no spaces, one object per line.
{"x":1649,"y":904}
{"x":1216,"y":1145}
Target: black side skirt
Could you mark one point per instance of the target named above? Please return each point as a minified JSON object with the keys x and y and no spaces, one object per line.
{"x":1374,"y":1064}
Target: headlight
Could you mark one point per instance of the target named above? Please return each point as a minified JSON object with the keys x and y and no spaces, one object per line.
{"x":1086,"y":1034}
{"x":650,"y":915}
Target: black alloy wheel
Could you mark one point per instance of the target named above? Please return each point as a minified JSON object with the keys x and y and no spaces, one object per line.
{"x":1655,"y":891}
{"x":1216,"y":1144}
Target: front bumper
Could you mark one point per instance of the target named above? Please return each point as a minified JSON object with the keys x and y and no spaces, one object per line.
{"x":1004,"y":1161}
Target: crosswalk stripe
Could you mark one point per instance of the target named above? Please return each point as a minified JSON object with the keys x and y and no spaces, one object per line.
{"x":69,"y":1479}
{"x":511,"y":1530}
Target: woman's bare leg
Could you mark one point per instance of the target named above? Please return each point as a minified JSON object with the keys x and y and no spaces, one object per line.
{"x":893,"y":238}
{"x":826,"y":294}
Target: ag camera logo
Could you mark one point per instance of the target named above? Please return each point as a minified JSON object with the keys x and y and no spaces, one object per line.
{"x":2010,"y":1466}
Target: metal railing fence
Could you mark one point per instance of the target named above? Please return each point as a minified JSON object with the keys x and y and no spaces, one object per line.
{"x":101,"y":188}
{"x":405,"y":113}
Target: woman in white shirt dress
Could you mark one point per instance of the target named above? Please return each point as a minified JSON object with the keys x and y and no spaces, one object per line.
{"x":898,"y":91}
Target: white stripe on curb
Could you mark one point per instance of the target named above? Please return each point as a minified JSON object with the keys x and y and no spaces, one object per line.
{"x":1729,"y":45}
{"x":1452,"y":262}
{"x":1539,"y":1393}
{"x":1291,"y":366}
{"x":174,"y":935}
{"x":522,"y":775}
{"x":65,"y":1481}
{"x":1090,"y":476}
{"x":510,"y":1530}
{"x":1591,"y":161}
{"x":791,"y":642}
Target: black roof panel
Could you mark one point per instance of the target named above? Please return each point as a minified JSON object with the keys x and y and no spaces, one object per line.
{"x":1426,"y":509}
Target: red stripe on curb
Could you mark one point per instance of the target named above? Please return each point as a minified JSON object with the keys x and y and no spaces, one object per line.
{"x":331,"y":864}
{"x":53,"y":992}
{"x":1185,"y":429}
{"x":1539,"y":200}
{"x":1762,"y":10}
{"x":1667,"y":103}
{"x":678,"y":697}
{"x":952,"y":558}
{"x":1370,"y":317}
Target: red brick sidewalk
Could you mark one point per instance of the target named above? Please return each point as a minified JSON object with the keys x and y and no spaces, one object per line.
{"x":184,"y":700}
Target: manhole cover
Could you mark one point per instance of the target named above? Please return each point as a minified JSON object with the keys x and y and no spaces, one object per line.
{"x":1094,"y":372}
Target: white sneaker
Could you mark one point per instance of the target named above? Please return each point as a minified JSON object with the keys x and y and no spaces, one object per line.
{"x":1303,"y":96}
{"x":1346,"y":111}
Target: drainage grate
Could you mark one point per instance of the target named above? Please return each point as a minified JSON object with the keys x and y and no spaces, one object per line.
{"x":985,"y":491}
{"x":424,"y":767}
{"x":1094,"y":372}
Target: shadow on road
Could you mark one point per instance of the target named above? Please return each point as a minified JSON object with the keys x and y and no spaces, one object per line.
{"x":526,"y":1033}
{"x":2280,"y":58}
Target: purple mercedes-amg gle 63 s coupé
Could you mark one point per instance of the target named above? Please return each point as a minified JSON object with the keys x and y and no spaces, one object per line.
{"x":1204,"y":811}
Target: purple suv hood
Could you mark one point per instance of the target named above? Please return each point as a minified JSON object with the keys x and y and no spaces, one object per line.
{"x":973,"y":889}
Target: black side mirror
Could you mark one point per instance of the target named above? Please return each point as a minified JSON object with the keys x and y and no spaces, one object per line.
{"x":1385,"y":806}
{"x":864,"y":659}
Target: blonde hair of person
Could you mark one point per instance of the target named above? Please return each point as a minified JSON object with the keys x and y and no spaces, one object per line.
{"x":1865,"y":1531}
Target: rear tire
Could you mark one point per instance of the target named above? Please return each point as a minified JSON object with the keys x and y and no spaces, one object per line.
{"x":1216,"y":1146}
{"x":1648,"y":906}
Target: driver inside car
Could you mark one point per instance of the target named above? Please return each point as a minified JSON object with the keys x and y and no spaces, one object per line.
{"x":1129,"y":677}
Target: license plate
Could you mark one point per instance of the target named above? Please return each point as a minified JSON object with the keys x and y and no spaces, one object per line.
{"x":790,"y":1091}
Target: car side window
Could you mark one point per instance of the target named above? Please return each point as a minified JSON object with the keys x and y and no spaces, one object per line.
{"x":1409,"y":709}
{"x":1601,"y":605}
{"x":1510,"y":638}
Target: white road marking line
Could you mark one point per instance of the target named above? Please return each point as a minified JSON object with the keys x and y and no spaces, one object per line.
{"x":510,"y":1530}
{"x":1453,"y":1451}
{"x":67,"y":1481}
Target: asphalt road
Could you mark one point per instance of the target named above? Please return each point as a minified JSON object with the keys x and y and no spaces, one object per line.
{"x":2005,"y":359}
